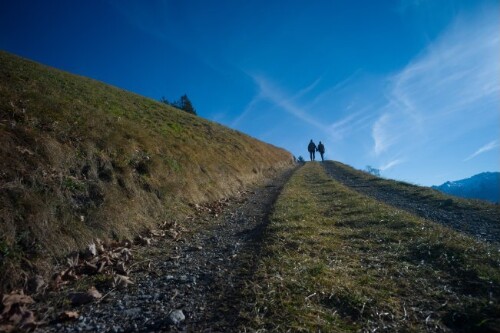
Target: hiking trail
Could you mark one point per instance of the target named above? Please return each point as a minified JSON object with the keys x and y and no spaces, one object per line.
{"x":196,"y":282}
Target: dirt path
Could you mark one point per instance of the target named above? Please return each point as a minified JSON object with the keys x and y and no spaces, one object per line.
{"x":481,"y":224}
{"x":200,"y":276}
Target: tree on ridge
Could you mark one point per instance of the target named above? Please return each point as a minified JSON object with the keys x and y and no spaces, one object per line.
{"x":183,"y":103}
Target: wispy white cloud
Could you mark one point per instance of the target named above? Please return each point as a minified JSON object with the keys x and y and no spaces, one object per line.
{"x":452,"y":87}
{"x":327,"y":108}
{"x":383,"y":137}
{"x":358,"y":120}
{"x":336,"y":88}
{"x":308,"y":89}
{"x":248,"y":109}
{"x":339,"y":128}
{"x":344,"y":110}
{"x":271,"y":92}
{"x":391,"y":164}
{"x":487,"y":147}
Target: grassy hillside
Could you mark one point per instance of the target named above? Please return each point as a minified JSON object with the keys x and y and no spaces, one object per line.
{"x":335,"y":260}
{"x":81,"y":159}
{"x":476,"y":217}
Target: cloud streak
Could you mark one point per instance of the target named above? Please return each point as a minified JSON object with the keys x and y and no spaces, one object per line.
{"x":248,"y":109}
{"x":391,"y":164}
{"x":452,"y":87}
{"x":278,"y":97}
{"x":487,"y":147}
{"x":383,"y":138}
{"x":341,"y":128}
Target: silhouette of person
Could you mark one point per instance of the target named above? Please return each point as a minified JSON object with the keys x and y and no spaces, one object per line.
{"x":321,"y":149}
{"x":311,"y":148}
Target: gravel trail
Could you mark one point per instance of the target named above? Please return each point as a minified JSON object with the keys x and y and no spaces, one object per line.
{"x":484,"y":224}
{"x":192,"y":285}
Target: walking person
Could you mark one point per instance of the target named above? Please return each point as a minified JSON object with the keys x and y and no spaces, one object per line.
{"x":311,"y":148}
{"x":321,"y":149}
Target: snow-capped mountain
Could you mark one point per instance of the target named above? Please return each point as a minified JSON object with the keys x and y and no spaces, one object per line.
{"x":485,"y":186}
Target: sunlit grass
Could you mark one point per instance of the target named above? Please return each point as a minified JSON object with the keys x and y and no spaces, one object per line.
{"x":81,"y":159}
{"x":337,"y":261}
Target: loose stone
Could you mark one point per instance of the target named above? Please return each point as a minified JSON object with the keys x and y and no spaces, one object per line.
{"x":176,"y":317}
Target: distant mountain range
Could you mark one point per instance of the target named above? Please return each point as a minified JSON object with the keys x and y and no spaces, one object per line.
{"x":484,"y":186}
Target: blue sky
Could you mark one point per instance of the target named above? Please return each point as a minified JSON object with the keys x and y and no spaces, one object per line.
{"x":411,"y":87}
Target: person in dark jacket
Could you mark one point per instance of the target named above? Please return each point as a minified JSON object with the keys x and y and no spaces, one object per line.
{"x":311,"y":148}
{"x":321,"y":149}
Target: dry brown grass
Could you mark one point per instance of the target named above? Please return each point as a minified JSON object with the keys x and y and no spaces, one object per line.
{"x":81,"y":159}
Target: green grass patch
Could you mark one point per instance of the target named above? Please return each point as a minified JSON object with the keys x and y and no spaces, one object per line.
{"x":338,"y":261}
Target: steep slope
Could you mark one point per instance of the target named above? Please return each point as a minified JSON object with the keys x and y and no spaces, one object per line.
{"x":485,"y":186}
{"x":81,"y":159}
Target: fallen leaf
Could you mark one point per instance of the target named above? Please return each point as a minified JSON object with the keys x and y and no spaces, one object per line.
{"x":7,"y":328}
{"x":14,"y":315}
{"x":15,"y":298}
{"x":94,"y":293}
{"x":69,"y":315}
{"x":121,"y":281}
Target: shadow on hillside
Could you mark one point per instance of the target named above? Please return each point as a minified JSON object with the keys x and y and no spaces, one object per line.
{"x":451,"y":264}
